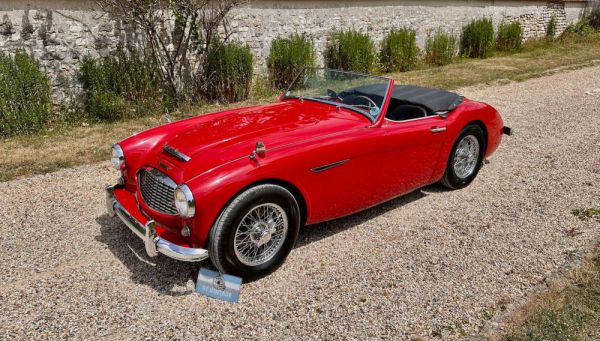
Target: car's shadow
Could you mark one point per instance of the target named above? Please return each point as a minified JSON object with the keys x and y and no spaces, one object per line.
{"x":175,"y":278}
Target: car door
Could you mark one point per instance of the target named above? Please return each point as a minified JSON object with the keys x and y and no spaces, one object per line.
{"x":343,"y":174}
{"x":412,"y":152}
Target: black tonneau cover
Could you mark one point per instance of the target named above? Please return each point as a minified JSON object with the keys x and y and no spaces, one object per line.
{"x":433,"y":99}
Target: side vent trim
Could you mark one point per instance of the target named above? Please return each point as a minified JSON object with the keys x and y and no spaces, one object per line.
{"x":328,"y":166}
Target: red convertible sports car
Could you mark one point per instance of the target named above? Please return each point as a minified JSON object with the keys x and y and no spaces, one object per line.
{"x":236,"y":186}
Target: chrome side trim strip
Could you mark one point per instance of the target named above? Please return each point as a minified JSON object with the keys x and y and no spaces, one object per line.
{"x":147,"y":233}
{"x":329,"y":166}
{"x":177,"y":154}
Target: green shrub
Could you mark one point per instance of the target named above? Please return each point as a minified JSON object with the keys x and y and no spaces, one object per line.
{"x":551,"y":28}
{"x":477,"y":40}
{"x":288,"y":56}
{"x":399,"y":51}
{"x":350,"y":51}
{"x":228,"y":72}
{"x":262,"y":87}
{"x":440,"y":48}
{"x":122,"y":86}
{"x":581,"y":28}
{"x":510,"y":37}
{"x":25,"y":99}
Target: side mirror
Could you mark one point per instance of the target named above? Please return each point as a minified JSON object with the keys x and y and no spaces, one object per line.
{"x":442,"y":114}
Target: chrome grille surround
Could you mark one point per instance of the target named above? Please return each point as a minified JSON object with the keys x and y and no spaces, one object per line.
{"x":158,"y":191}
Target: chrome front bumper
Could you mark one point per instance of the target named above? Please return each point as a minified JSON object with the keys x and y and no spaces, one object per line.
{"x":147,"y":232}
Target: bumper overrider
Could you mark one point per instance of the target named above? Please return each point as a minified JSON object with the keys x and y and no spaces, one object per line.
{"x":153,"y":243}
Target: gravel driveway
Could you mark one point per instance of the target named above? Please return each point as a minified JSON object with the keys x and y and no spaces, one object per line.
{"x":433,"y":263}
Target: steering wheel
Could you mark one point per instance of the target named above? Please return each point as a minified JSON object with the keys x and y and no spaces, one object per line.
{"x":370,"y":101}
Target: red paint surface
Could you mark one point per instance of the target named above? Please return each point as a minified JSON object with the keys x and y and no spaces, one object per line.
{"x":385,"y":159}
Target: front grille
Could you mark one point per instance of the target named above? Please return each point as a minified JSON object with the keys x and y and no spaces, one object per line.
{"x":158,"y":191}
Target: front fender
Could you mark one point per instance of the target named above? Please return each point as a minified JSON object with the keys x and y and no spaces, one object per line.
{"x":214,"y":189}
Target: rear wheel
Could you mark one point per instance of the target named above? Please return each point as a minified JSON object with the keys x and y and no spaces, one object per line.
{"x":255,"y":232}
{"x":465,"y":158}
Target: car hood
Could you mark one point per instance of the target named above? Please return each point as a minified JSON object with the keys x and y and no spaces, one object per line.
{"x":214,"y":139}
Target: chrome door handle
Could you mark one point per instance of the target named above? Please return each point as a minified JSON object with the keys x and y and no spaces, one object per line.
{"x":438,"y":130}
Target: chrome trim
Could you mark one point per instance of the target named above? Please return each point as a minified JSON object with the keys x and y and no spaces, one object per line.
{"x":156,"y":197}
{"x":328,"y":166}
{"x":175,"y":153}
{"x":443,"y":114}
{"x":259,"y":150}
{"x":438,"y":130}
{"x":120,"y":156}
{"x":189,"y":198}
{"x":412,"y":119}
{"x":153,"y":244}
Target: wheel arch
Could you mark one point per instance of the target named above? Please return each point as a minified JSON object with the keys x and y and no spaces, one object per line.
{"x":294,"y":190}
{"x":290,"y":187}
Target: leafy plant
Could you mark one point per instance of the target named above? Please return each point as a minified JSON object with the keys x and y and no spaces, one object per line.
{"x":25,"y":100}
{"x":440,"y":48}
{"x":288,"y":56}
{"x":477,"y":40}
{"x":510,"y":36}
{"x":351,"y":51}
{"x":581,"y":28}
{"x":123,"y":85}
{"x":228,"y":72}
{"x":551,"y":28}
{"x":399,"y":51}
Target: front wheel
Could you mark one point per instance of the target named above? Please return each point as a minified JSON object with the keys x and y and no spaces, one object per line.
{"x":465,"y":158}
{"x":255,"y":232}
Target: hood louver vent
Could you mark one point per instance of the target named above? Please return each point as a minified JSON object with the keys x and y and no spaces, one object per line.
{"x":176,"y":154}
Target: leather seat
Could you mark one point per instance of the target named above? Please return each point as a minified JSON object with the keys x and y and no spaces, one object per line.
{"x":406,"y":112}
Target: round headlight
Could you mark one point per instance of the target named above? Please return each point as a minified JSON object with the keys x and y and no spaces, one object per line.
{"x":184,"y":201}
{"x":117,"y":157}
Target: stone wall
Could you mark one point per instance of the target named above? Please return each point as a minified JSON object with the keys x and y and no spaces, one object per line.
{"x":260,"y":22}
{"x":60,"y":32}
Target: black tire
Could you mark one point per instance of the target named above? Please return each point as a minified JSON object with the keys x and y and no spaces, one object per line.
{"x":221,"y":242}
{"x":451,"y":179}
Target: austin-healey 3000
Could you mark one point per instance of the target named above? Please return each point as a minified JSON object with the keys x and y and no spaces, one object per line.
{"x":236,"y":186}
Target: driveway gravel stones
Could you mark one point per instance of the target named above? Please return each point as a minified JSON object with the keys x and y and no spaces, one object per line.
{"x":433,"y":264}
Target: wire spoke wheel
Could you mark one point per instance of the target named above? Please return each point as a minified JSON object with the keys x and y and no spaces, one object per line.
{"x":466,"y":157}
{"x":260,"y":234}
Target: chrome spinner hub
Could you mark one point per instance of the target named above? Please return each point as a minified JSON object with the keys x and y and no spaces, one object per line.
{"x":262,"y":234}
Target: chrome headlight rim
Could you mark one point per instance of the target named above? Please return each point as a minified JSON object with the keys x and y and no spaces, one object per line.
{"x":117,"y":156}
{"x":187,"y":206}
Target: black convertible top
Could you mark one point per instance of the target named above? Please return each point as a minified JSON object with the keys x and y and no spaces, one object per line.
{"x":435,"y":100}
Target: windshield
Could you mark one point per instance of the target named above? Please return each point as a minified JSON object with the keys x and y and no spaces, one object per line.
{"x":362,"y":93}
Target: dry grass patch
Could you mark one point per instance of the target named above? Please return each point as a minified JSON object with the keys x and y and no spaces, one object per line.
{"x":73,"y":146}
{"x":568,"y":310}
